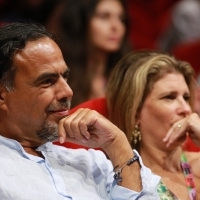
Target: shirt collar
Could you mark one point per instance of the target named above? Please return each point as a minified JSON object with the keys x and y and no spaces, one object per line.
{"x":13,"y":144}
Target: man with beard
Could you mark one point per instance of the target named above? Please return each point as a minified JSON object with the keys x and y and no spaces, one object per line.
{"x":34,"y":106}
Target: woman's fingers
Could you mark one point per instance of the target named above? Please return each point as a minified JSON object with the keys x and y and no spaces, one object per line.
{"x":189,"y":125}
{"x":177,"y":130}
{"x":194,"y":129}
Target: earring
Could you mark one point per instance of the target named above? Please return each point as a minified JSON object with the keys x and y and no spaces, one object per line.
{"x":136,"y":135}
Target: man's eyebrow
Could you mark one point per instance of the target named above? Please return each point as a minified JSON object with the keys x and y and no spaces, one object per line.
{"x":50,"y":75}
{"x":45,"y":76}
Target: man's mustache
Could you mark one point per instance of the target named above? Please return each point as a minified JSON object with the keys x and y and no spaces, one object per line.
{"x":64,"y":104}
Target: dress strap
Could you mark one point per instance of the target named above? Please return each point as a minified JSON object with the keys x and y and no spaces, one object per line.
{"x":164,"y":193}
{"x":189,"y":178}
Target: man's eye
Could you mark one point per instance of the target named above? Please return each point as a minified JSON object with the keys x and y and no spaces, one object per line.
{"x":48,"y":82}
{"x":66,"y":77}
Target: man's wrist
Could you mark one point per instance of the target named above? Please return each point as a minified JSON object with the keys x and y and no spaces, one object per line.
{"x":118,"y":150}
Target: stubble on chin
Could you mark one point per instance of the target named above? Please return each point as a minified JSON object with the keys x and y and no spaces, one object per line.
{"x":48,"y":132}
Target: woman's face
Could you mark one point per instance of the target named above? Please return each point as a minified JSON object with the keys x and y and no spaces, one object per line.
{"x":167,"y":103}
{"x":106,"y":29}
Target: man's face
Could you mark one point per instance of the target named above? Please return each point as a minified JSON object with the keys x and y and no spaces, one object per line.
{"x":41,"y":95}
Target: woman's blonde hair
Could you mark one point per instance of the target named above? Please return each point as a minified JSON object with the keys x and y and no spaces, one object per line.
{"x":132,"y":80}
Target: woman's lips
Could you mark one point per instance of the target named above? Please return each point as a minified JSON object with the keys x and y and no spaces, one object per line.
{"x":114,"y":38}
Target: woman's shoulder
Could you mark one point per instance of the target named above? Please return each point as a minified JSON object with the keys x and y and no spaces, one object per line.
{"x":191,"y":156}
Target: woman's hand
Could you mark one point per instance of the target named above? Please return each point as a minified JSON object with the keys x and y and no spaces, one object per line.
{"x":190,"y":125}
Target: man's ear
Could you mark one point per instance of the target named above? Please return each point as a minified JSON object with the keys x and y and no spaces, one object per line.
{"x":3,"y":93}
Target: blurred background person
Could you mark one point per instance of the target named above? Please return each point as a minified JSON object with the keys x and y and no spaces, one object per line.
{"x":93,"y":36}
{"x":184,"y":25}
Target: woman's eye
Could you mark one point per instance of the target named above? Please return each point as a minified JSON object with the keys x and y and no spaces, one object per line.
{"x":103,"y":15}
{"x":170,"y":97}
{"x":122,"y":18}
{"x":187,"y":98}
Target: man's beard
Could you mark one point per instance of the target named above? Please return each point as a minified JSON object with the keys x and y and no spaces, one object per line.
{"x":49,"y":130}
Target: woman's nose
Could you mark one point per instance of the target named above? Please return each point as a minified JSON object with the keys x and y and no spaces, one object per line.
{"x":116,"y":23}
{"x":184,"y":108}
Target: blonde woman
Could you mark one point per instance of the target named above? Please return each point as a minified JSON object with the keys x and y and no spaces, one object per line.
{"x":150,"y":97}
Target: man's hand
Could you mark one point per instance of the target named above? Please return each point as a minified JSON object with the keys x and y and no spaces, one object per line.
{"x":88,"y":128}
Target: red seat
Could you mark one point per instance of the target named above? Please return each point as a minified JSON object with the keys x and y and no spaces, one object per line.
{"x":95,"y":104}
{"x":190,"y":146}
{"x":190,"y":52}
{"x":153,"y":16}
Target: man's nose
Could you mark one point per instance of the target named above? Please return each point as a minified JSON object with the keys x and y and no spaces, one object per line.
{"x":63,"y":90}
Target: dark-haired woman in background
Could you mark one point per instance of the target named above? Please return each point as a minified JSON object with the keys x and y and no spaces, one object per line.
{"x":93,"y":36}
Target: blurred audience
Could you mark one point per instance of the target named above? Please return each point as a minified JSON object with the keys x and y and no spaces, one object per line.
{"x":184,"y":26}
{"x":148,"y":20}
{"x":93,"y":36}
{"x":26,"y":10}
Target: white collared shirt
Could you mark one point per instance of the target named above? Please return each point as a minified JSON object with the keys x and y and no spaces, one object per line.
{"x":76,"y":174}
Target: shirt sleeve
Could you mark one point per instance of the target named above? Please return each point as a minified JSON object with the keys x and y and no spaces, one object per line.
{"x":149,"y":186}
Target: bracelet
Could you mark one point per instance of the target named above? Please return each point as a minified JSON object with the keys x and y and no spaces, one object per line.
{"x":117,"y":175}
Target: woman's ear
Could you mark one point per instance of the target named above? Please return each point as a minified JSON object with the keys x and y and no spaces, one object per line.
{"x":137,"y":118}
